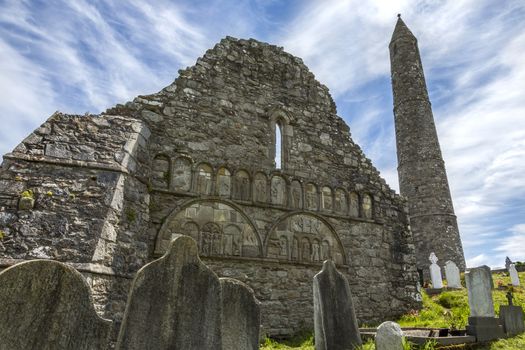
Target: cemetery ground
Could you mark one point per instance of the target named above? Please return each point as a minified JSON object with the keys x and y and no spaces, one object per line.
{"x":446,"y":310}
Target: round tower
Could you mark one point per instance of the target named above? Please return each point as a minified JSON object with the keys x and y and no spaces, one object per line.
{"x":421,"y":169}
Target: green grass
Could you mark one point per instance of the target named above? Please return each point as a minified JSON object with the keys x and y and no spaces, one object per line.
{"x":446,"y":310}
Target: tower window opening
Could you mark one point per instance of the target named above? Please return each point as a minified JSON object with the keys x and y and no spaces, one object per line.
{"x":278,"y":146}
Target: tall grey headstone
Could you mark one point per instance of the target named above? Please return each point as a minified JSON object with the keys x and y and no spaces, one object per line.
{"x":241,"y":316}
{"x":47,"y":305}
{"x":479,"y":292}
{"x":489,"y":272}
{"x":389,"y":336}
{"x":482,"y":322}
{"x":335,"y":323}
{"x":435,"y":272}
{"x":452,"y":275}
{"x":514,"y":278}
{"x":174,"y":303}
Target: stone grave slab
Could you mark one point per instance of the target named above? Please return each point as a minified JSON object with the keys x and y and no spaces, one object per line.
{"x":452,"y":275}
{"x":511,"y":317}
{"x":335,"y":323}
{"x":482,"y":322}
{"x":174,"y":303}
{"x":47,"y":305}
{"x":514,"y":277}
{"x":241,"y":316}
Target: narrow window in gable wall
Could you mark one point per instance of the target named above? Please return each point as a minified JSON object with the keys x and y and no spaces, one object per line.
{"x":278,"y":146}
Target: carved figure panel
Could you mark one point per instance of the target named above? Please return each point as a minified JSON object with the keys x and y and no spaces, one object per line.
{"x":224,"y":231}
{"x":203,"y":179}
{"x":278,"y":190}
{"x":340,"y":202}
{"x":311,"y":198}
{"x":296,"y":195}
{"x":242,"y":186}
{"x":354,"y":205}
{"x":326,"y":196}
{"x":367,"y":206}
{"x":224,"y":182}
{"x":259,"y":188}
{"x":308,"y":239}
{"x":182,"y":174}
{"x":160,"y":172}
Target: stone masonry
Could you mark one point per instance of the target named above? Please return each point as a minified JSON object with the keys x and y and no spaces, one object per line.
{"x":422,"y":175}
{"x":107,"y":193}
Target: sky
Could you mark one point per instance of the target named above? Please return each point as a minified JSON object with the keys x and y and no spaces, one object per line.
{"x":80,"y":56}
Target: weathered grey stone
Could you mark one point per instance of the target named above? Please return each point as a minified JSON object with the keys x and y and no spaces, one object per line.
{"x":422,"y":174}
{"x":241,"y":316}
{"x":334,"y":316}
{"x":485,"y":328}
{"x":511,"y":317}
{"x":452,"y":275}
{"x":389,"y":336}
{"x":479,"y":292}
{"x":174,"y":303}
{"x":514,"y":277}
{"x":47,"y":305}
{"x":435,"y":272}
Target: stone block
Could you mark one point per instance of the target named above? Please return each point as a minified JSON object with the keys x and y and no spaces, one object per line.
{"x":47,"y":305}
{"x":174,"y":303}
{"x":480,"y":301}
{"x":241,"y":316}
{"x":485,"y":328}
{"x":335,"y":323}
{"x":389,"y":336}
{"x":511,"y":317}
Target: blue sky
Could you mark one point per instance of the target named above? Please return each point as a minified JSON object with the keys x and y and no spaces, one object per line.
{"x":79,"y":56}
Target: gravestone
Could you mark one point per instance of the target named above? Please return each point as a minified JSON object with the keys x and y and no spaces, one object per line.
{"x":47,"y":305}
{"x":435,"y":272}
{"x":174,"y":303}
{"x":335,"y":323}
{"x":389,"y":336}
{"x":511,"y":317}
{"x":507,"y":262}
{"x":489,"y":272}
{"x":482,"y":322}
{"x":514,"y":278}
{"x":452,"y":275}
{"x":241,"y":316}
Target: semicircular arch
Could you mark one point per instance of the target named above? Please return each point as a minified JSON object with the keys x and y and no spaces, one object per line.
{"x":244,"y":240}
{"x":311,"y":238}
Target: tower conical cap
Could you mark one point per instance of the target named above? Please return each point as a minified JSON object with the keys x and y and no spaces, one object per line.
{"x":401,"y":30}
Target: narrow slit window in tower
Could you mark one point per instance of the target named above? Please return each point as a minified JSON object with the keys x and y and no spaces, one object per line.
{"x":278,"y":146}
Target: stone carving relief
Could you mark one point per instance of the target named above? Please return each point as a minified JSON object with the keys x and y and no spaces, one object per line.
{"x":224,"y":182}
{"x":296,"y":195}
{"x":326,"y":196}
{"x":340,"y":202}
{"x":311,"y":196}
{"x":260,"y":188}
{"x":242,"y":186}
{"x":367,"y":206}
{"x":224,"y":231}
{"x":354,"y":205}
{"x":308,"y":239}
{"x":278,"y":190}
{"x":203,"y":179}
{"x":160,"y":172}
{"x":182,"y":174}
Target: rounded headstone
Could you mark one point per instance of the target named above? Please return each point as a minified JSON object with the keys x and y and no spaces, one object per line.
{"x":389,"y":336}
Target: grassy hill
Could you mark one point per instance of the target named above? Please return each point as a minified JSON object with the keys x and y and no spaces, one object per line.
{"x":447,"y":310}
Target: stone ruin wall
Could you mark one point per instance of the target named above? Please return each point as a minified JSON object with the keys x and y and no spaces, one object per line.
{"x":198,"y":158}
